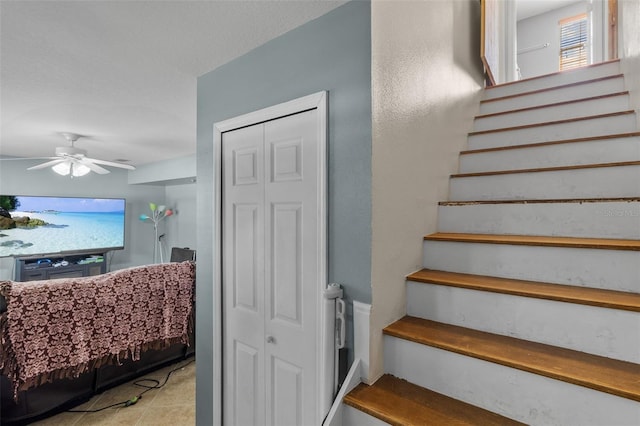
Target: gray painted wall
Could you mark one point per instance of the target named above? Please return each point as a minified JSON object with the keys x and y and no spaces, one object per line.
{"x":331,"y":53}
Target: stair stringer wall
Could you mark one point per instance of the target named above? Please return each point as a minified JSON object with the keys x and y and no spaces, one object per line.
{"x":420,"y":124}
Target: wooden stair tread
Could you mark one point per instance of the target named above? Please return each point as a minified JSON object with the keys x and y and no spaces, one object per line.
{"x":547,"y":123}
{"x":399,"y":402}
{"x":536,"y":107}
{"x":535,"y":240}
{"x":563,"y":293}
{"x":547,"y":169}
{"x":542,"y":201}
{"x":548,"y":89}
{"x":556,"y":142}
{"x":608,"y":375}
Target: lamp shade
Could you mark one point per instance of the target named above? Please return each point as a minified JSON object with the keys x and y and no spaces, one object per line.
{"x":78,"y":169}
{"x":63,"y":168}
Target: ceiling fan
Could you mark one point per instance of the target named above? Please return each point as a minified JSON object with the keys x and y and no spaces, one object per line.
{"x":73,"y":161}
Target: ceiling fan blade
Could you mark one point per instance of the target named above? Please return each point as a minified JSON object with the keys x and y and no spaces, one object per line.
{"x":111,"y":163}
{"x":47,"y":164}
{"x":94,"y":167}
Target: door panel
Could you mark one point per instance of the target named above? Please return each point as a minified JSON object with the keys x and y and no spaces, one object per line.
{"x":245,"y":166}
{"x":291,"y":148}
{"x":286,"y":293}
{"x":270,"y":272}
{"x":246,"y":409}
{"x":245,"y":268}
{"x":287,"y":391}
{"x":243,"y":276}
{"x":286,"y":157}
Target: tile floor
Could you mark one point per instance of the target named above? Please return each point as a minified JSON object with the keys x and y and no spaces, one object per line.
{"x":171,"y":405}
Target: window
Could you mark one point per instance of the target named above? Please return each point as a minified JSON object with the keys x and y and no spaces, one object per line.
{"x":573,"y":42}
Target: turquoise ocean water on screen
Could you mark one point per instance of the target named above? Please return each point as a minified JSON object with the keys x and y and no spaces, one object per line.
{"x":66,"y":231}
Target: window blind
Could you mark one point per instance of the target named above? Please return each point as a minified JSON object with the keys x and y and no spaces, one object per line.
{"x":573,"y":42}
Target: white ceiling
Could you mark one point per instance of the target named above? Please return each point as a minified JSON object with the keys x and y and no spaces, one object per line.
{"x":122,"y":73}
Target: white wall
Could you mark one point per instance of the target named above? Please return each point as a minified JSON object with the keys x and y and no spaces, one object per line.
{"x":543,"y":28}
{"x":426,"y":82}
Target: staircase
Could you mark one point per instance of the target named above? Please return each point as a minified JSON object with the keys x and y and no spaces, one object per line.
{"x":528,"y":309}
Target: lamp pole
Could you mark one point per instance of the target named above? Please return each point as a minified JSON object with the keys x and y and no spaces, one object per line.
{"x":157,"y":214}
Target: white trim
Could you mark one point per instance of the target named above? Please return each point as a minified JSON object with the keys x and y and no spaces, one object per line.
{"x":325,"y":337}
{"x":216,"y":209}
{"x":334,"y":418}
{"x":317,"y":101}
{"x":361,"y":318}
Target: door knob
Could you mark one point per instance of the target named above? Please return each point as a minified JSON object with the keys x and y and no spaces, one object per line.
{"x":271,"y":339}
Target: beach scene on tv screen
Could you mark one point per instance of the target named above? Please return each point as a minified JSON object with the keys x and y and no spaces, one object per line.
{"x":46,"y":225}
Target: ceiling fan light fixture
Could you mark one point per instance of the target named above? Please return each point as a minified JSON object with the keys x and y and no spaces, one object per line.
{"x":70,"y":167}
{"x":73,"y":161}
{"x":79,"y":170}
{"x":63,"y":168}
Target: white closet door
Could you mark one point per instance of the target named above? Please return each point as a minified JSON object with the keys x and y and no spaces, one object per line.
{"x":271,"y":269}
{"x":243,"y":276}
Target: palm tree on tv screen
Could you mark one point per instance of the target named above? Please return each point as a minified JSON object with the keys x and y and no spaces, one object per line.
{"x":9,"y":202}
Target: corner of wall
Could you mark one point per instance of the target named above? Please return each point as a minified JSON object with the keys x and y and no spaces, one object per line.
{"x":174,"y":171}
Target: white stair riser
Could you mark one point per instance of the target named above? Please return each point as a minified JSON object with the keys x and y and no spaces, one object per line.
{"x":598,"y":220}
{"x":558,"y":155}
{"x":354,"y":417}
{"x":610,"y":333}
{"x":562,"y":94}
{"x":568,"y":77}
{"x":552,"y":113}
{"x":608,"y":269}
{"x":526,"y":397}
{"x":601,"y":182}
{"x":554,"y":132}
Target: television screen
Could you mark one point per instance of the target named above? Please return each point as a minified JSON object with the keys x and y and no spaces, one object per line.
{"x":47,"y":225}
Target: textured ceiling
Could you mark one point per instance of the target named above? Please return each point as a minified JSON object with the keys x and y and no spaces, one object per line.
{"x":122,"y":73}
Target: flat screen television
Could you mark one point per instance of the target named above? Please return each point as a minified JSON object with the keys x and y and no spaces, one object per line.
{"x":60,"y":225}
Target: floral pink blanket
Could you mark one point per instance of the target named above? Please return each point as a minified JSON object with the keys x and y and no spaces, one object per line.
{"x":61,"y":328}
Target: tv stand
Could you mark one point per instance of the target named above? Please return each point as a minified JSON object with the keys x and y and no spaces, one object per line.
{"x":60,"y":266}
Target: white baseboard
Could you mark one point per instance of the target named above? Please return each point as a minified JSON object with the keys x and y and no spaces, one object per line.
{"x":361,"y":314}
